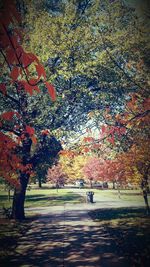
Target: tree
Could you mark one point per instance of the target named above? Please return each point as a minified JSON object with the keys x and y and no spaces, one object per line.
{"x":91,"y":170}
{"x":21,"y":77}
{"x":111,"y":69}
{"x":94,"y":81}
{"x":56,"y":175}
{"x":137,"y":165}
{"x":72,"y":164}
{"x":45,"y":155}
{"x":94,"y":71}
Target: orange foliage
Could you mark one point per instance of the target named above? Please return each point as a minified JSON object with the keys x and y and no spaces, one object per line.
{"x":18,"y":62}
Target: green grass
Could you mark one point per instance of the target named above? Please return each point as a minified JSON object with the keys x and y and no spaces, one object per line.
{"x":116,"y":215}
{"x":125,"y":195}
{"x":112,"y":195}
{"x":43,"y":197}
{"x":49,"y":197}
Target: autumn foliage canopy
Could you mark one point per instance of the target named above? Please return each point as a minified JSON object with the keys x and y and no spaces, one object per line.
{"x":21,"y":74}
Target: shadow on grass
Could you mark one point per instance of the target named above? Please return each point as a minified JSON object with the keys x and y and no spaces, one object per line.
{"x":117,"y":213}
{"x":130,"y":193}
{"x":57,"y":199}
{"x":54,"y":197}
{"x":60,"y":199}
{"x":4,"y":198}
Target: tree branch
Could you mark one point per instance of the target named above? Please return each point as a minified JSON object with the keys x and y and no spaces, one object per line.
{"x":116,"y":63}
{"x":139,"y":115}
{"x":18,"y":58}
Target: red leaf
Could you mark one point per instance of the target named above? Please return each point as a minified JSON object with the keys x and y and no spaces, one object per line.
{"x":29,"y":87}
{"x":130,"y":105}
{"x":9,"y":115}
{"x":15,"y":73}
{"x":51,"y":91}
{"x":45,"y":132}
{"x":14,"y":41}
{"x":33,"y":57}
{"x":122,"y":130}
{"x":111,"y":140}
{"x":14,"y":12}
{"x":30,"y":130}
{"x":25,"y":59}
{"x":11,"y":57}
{"x":36,"y":88}
{"x":103,"y":128}
{"x":86,"y":149}
{"x":5,"y":16}
{"x":40,"y":70}
{"x":33,"y":138}
{"x":33,"y":82}
{"x":19,"y":51}
{"x":28,"y":58}
{"x":3,"y":88}
{"x":4,"y":40}
{"x":146,"y":103}
{"x":88,"y":139}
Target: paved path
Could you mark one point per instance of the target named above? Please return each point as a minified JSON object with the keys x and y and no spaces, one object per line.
{"x":66,"y":239}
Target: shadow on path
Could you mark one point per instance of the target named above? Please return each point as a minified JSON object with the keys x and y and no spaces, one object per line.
{"x":70,"y":239}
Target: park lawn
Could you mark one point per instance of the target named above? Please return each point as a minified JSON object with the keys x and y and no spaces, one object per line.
{"x":112,"y":195}
{"x":43,"y":197}
{"x":46,"y":196}
{"x":50,"y":197}
{"x":125,"y":195}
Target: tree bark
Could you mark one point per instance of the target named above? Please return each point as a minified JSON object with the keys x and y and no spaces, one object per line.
{"x":19,"y":198}
{"x":57,"y":187}
{"x":19,"y":193}
{"x":113,"y":182}
{"x":145,"y":189}
{"x":145,"y":196}
{"x":9,"y":194}
{"x":118,"y":189}
{"x":91,"y":185}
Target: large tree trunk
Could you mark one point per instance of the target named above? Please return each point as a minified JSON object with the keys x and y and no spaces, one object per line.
{"x":19,"y":193}
{"x":19,"y":198}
